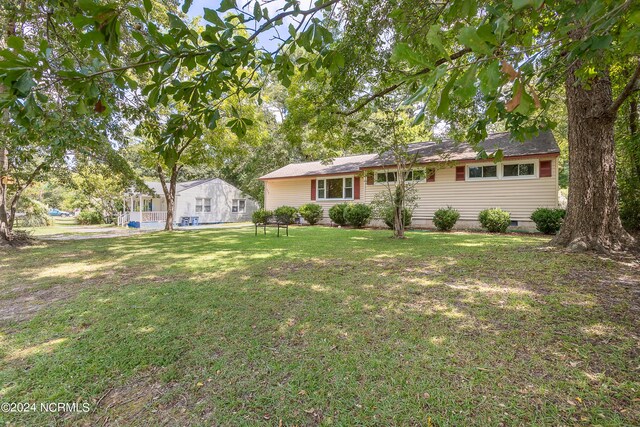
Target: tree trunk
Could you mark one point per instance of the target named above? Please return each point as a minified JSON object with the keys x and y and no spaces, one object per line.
{"x":593,"y":220}
{"x":169,"y":193}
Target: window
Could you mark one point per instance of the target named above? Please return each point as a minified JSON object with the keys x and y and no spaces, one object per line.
{"x":384,"y":177}
{"x":335,"y":188}
{"x":147,"y":205}
{"x":239,"y":206}
{"x":476,"y":172}
{"x":203,"y":205}
{"x":521,"y":169}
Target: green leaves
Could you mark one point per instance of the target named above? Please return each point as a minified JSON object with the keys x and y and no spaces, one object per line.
{"x":402,"y":52}
{"x":15,"y":42}
{"x":469,"y":37}
{"x":519,"y":4}
{"x":227,"y":5}
{"x":211,"y":16}
{"x":433,"y":38}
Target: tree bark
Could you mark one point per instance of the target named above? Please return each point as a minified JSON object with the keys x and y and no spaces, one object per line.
{"x":593,"y":219}
{"x":169,"y":193}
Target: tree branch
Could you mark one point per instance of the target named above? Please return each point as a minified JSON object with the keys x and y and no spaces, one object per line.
{"x":628,"y":89}
{"x":391,"y":88}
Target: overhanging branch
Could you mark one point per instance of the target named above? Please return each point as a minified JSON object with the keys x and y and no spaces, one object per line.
{"x":391,"y":88}
{"x":628,"y":89}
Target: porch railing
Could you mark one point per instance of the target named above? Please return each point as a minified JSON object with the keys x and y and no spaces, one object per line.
{"x":154,"y":216}
{"x":123,"y":219}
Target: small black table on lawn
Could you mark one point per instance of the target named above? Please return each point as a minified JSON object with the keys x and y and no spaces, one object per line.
{"x":276,"y":224}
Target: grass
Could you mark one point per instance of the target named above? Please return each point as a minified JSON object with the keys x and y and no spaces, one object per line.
{"x":63,"y":226}
{"x":327,"y":326}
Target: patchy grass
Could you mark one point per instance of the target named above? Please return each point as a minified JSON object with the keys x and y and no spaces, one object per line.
{"x":327,"y":326}
{"x":64,"y":226}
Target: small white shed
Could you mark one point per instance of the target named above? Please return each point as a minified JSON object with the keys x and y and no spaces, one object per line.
{"x":204,"y":201}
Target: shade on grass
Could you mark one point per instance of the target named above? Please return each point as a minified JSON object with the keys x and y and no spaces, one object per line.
{"x":328,"y":326}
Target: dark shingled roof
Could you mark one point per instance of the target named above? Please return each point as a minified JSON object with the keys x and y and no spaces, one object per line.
{"x":427,"y":152}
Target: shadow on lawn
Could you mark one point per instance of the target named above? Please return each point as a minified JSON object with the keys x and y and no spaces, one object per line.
{"x":219,"y":325}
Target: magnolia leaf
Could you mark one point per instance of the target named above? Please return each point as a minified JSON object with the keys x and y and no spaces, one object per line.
{"x":187,"y":5}
{"x":147,"y":5}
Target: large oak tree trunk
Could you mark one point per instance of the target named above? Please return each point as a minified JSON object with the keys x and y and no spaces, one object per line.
{"x":593,"y":220}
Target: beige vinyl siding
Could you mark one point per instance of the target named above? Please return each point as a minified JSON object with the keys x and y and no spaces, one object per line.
{"x":297,"y":191}
{"x":520,"y":196}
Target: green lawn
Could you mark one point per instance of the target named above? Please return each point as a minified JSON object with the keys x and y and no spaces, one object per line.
{"x":327,"y":326}
{"x":63,"y":226}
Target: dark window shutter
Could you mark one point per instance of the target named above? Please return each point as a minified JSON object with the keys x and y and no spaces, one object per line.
{"x":313,"y":189}
{"x":431,"y":175}
{"x":545,"y":168}
{"x":459,"y":173}
{"x":356,"y":187}
{"x":369,"y":178}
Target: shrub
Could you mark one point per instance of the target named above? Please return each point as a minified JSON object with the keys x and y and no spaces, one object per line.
{"x":389,"y":218}
{"x":357,"y":214}
{"x":495,"y":220}
{"x":336,"y":213}
{"x":90,"y":217}
{"x":35,"y":213}
{"x":311,"y":212}
{"x":445,"y":218}
{"x":548,"y":221}
{"x":285,"y":214}
{"x":261,"y":216}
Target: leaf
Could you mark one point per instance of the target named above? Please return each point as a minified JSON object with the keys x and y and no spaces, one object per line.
{"x":257,"y":11}
{"x":519,"y":4}
{"x":515,"y":101}
{"x":212,"y":16}
{"x":433,"y":38}
{"x":15,"y":42}
{"x":176,"y":22}
{"x":490,"y":78}
{"x":147,"y":6}
{"x":226,"y":5}
{"x":187,"y":5}
{"x":509,"y":70}
{"x":443,"y":105}
{"x":601,"y":42}
{"x":469,"y":37}
{"x":404,"y":52}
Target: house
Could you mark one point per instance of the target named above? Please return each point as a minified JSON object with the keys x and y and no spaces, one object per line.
{"x":209,"y":201}
{"x":445,"y":174}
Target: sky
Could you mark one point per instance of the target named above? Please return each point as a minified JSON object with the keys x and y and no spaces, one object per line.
{"x":264,"y":40}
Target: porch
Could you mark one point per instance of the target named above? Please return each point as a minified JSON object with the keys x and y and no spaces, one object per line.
{"x":142,"y":211}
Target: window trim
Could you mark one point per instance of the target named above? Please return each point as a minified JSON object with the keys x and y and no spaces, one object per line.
{"x":536,"y":169}
{"x":235,"y":203}
{"x":482,"y":178}
{"x":385,"y":171}
{"x":500,"y":170}
{"x":344,"y":178}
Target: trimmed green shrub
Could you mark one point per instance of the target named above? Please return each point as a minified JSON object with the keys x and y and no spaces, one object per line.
{"x":90,"y":217}
{"x":336,"y":213}
{"x":357,"y":214}
{"x":261,"y":216}
{"x":548,"y":221}
{"x":285,"y":214}
{"x":389,"y":218}
{"x":445,"y":218}
{"x":311,"y":212}
{"x":495,"y":220}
